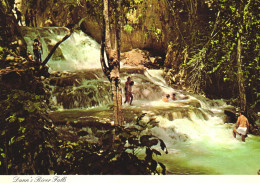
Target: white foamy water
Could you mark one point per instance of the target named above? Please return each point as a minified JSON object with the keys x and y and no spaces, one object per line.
{"x":78,"y":52}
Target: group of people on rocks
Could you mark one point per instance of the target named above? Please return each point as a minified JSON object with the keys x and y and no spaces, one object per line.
{"x":30,"y":17}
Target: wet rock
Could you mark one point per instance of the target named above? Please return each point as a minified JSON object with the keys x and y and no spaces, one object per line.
{"x":63,"y":82}
{"x":193,"y":103}
{"x":255,"y":129}
{"x":230,"y":116}
{"x":135,"y":57}
{"x":82,"y":133}
{"x":12,"y":79}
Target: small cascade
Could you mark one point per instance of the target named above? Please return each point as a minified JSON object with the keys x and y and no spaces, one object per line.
{"x":78,"y":52}
{"x":82,"y":89}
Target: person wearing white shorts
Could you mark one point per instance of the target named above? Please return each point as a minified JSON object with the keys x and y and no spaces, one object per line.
{"x":242,"y":126}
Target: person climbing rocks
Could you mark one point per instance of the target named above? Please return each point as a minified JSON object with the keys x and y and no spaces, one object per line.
{"x":19,"y":16}
{"x":128,"y":90}
{"x":173,"y":97}
{"x":40,"y":50}
{"x":166,"y":98}
{"x":242,"y":126}
{"x":36,"y":50}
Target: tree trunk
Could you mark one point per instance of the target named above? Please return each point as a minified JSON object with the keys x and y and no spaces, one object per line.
{"x":55,"y":47}
{"x":240,"y":78}
{"x":242,"y":93}
{"x":112,"y":68}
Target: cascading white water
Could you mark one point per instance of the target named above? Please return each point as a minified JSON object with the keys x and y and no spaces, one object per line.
{"x":78,"y":52}
{"x":198,"y":140}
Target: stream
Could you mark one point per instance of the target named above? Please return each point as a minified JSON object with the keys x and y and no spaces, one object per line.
{"x":193,"y":128}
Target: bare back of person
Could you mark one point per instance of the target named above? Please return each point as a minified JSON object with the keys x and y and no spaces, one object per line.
{"x":242,"y":127}
{"x":242,"y":121}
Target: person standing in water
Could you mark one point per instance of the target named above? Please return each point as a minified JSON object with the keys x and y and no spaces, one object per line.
{"x":242,"y":126}
{"x":130,"y":92}
{"x":127,"y":84}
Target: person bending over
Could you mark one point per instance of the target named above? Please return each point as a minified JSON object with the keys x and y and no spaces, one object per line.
{"x":242,"y":126}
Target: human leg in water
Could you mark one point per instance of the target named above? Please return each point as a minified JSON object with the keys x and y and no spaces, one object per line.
{"x":131,"y":97}
{"x":126,"y":97}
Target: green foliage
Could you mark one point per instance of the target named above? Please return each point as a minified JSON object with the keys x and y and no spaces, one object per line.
{"x":154,"y":32}
{"x":26,"y":137}
{"x":118,"y":151}
{"x":216,"y":36}
{"x":237,"y":18}
{"x":128,"y":28}
{"x":198,"y":75}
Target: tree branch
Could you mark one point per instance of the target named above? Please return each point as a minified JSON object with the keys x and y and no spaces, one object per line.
{"x":62,"y":40}
{"x":104,"y":66}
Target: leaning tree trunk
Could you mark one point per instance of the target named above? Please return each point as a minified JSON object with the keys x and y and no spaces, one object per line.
{"x":70,"y":31}
{"x":55,"y":47}
{"x":112,"y":68}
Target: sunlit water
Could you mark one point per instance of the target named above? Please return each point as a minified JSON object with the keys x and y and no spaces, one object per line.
{"x":78,"y":51}
{"x":198,"y":140}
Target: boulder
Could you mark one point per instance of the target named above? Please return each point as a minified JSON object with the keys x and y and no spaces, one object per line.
{"x":135,"y":57}
{"x":230,"y":116}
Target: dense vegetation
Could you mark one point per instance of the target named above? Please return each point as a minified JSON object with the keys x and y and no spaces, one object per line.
{"x":212,"y":45}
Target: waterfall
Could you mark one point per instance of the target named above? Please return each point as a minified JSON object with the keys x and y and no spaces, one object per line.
{"x":193,"y":127}
{"x":78,"y":52}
